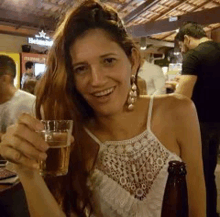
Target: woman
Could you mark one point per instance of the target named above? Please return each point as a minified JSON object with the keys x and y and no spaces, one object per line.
{"x":123,"y":142}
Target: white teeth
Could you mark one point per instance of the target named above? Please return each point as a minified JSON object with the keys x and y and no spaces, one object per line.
{"x":105,"y":92}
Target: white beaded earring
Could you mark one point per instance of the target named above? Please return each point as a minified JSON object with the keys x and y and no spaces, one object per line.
{"x":132,"y":97}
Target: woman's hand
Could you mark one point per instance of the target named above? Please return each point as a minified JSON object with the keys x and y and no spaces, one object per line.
{"x":22,"y":145}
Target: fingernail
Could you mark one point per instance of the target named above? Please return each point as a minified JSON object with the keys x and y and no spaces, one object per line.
{"x":45,"y":147}
{"x":43,"y":156}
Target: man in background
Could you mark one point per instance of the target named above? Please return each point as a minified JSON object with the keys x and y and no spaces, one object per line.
{"x":200,"y":80}
{"x":154,"y":78}
{"x":29,"y":74}
{"x":29,"y":86}
{"x":13,"y":102}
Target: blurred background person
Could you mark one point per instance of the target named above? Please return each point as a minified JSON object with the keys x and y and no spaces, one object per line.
{"x":29,"y":85}
{"x":200,"y":81}
{"x":13,"y":102}
{"x":154,"y":78}
{"x":142,"y":86}
{"x":29,"y":73}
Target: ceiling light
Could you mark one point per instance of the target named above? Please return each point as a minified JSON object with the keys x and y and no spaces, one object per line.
{"x":143,"y":44}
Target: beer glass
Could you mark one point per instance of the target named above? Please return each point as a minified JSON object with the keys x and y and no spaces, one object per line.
{"x":57,"y":134}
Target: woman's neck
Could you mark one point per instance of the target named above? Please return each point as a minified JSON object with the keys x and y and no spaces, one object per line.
{"x":119,"y":126}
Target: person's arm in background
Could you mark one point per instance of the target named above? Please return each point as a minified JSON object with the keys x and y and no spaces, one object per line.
{"x":189,"y":139}
{"x":189,"y":75}
{"x":22,"y":81}
{"x":186,"y":85}
{"x":159,"y":81}
{"x":142,"y":86}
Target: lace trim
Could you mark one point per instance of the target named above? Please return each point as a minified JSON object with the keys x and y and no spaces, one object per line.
{"x":133,"y":166}
{"x":121,"y":142}
{"x":127,"y":141}
{"x":115,"y":201}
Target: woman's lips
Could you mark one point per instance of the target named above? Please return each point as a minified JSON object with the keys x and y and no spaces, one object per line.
{"x":104,"y":92}
{"x":104,"y":96}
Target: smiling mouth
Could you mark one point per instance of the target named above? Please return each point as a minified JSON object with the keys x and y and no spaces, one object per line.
{"x":104,"y":92}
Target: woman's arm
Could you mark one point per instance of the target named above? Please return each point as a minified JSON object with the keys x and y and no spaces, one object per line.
{"x":22,"y":146}
{"x":189,"y":140}
{"x":41,"y":202}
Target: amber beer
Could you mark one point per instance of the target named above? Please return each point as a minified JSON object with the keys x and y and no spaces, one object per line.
{"x":175,"y":200}
{"x":57,"y":135}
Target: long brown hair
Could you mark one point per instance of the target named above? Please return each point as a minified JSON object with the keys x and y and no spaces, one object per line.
{"x":59,"y":98}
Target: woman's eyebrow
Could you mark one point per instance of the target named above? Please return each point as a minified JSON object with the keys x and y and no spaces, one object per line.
{"x":108,"y":54}
{"x":102,"y":56}
{"x":79,"y":63}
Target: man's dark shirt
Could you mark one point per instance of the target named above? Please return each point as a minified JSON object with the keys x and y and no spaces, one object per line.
{"x":204,"y":62}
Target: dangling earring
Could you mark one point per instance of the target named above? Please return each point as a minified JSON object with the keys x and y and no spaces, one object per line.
{"x":132,"y":97}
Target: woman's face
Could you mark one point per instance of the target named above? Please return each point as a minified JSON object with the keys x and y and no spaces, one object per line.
{"x":102,"y":72}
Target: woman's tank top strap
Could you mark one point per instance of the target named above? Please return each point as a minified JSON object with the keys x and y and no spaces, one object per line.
{"x":150,"y":109}
{"x":148,"y":122}
{"x":93,"y":136}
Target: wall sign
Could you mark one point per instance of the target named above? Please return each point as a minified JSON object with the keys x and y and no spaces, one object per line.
{"x":173,"y":19}
{"x":41,"y":40}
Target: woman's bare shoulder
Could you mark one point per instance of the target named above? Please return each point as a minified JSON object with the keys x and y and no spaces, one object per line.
{"x":174,"y":101}
{"x":170,"y":102}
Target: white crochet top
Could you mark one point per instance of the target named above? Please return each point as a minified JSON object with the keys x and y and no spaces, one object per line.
{"x":130,"y":176}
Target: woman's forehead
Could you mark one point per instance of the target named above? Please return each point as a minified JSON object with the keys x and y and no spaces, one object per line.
{"x":93,"y":43}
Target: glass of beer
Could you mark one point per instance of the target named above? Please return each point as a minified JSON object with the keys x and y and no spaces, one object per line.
{"x":57,"y":134}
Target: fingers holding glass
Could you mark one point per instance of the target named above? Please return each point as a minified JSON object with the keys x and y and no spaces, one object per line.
{"x":16,"y":157}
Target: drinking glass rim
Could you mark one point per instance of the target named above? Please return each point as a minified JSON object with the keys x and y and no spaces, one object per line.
{"x":68,"y":122}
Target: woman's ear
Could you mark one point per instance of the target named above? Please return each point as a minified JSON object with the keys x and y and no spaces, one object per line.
{"x":135,"y":61}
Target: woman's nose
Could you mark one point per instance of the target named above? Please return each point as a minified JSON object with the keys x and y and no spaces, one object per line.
{"x":98,"y":77}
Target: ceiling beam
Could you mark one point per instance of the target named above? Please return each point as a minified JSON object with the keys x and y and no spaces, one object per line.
{"x":125,"y":5}
{"x":205,"y":17}
{"x":171,"y":9}
{"x":194,"y":9}
{"x":12,"y":30}
{"x":118,"y":2}
{"x":139,"y":10}
{"x":215,"y":2}
{"x":25,"y":19}
{"x":175,"y":8}
{"x":159,"y":43}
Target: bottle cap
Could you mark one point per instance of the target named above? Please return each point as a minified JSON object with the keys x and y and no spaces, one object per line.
{"x":177,"y":168}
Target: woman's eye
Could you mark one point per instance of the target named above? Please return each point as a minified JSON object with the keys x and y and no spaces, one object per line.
{"x":80,"y":69}
{"x":109,"y":61}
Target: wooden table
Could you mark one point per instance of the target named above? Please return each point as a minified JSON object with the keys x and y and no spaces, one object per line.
{"x":12,"y":201}
{"x":4,"y":187}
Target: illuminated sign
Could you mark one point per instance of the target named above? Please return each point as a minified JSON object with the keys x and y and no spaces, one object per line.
{"x":41,"y":40}
{"x":173,"y":19}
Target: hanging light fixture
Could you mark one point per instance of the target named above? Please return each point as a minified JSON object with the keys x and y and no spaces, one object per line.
{"x":143,"y":44}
